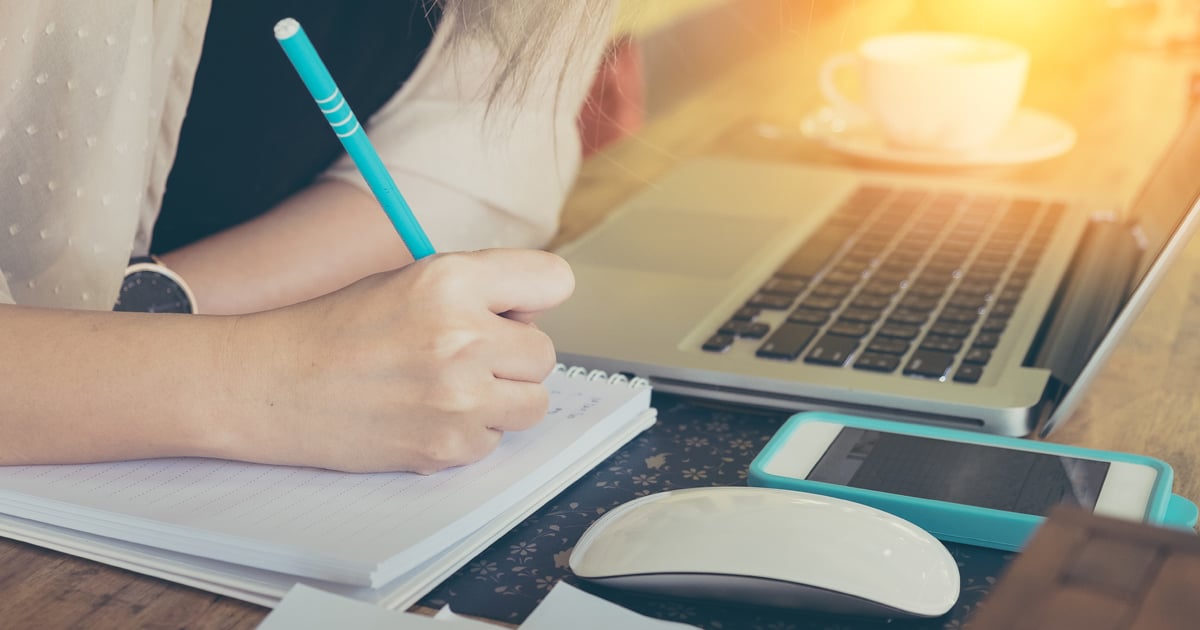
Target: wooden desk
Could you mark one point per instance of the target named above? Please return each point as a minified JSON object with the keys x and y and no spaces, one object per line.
{"x":1126,"y":107}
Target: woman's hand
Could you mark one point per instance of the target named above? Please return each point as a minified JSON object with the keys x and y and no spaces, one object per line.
{"x":417,"y":369}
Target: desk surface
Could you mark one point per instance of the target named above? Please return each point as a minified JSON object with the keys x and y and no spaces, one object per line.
{"x":1126,"y":107}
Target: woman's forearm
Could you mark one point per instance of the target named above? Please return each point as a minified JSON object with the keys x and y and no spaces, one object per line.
{"x":317,"y":241}
{"x":88,"y":386}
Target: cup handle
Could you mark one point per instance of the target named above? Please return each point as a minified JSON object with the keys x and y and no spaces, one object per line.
{"x":829,"y":88}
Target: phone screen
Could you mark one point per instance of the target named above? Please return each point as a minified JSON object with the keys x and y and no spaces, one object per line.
{"x":971,"y":474}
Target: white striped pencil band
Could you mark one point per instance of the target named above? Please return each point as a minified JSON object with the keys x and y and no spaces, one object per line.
{"x":320,"y":84}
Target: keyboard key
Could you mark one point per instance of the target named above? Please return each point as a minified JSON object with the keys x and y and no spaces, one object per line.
{"x":749,"y":330}
{"x":975,"y":288}
{"x":968,"y":373}
{"x":987,"y":277}
{"x":941,"y":344}
{"x":852,"y":265}
{"x":909,"y":198}
{"x":818,"y":303}
{"x":787,"y":342}
{"x":877,"y":362}
{"x":949,"y":198}
{"x":784,"y":286}
{"x":842,"y":278}
{"x":769,"y":301}
{"x":994,"y":325}
{"x":949,"y":329}
{"x":832,"y":350}
{"x":862,"y":255}
{"x":808,"y":316}
{"x":977,"y":355}
{"x":862,"y":315}
{"x":905,"y":258}
{"x":873,"y":242}
{"x":718,"y":343}
{"x":881,"y":289}
{"x":906,"y":316}
{"x":928,"y":289}
{"x":899,"y":331}
{"x":1004,"y":310}
{"x":886,"y":345}
{"x":986,"y":340}
{"x":916,"y":241}
{"x":870,"y":302}
{"x":824,"y":289}
{"x":959,"y":315}
{"x":844,"y":328}
{"x":885,"y":275}
{"x":919,"y":303}
{"x":992,"y":258}
{"x":746,"y":313}
{"x":985,"y":272}
{"x":956,"y":246}
{"x":966,"y":300}
{"x":938,"y":268}
{"x":929,"y":364}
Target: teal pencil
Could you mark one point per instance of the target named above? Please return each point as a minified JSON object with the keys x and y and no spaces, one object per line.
{"x":320,"y":84}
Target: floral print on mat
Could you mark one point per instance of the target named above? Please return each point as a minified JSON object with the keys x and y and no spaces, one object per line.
{"x":693,"y":444}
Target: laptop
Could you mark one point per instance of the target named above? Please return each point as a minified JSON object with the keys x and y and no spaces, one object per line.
{"x":930,"y":299}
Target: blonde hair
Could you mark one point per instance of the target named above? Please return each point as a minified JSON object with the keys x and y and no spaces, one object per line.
{"x":522,"y":30}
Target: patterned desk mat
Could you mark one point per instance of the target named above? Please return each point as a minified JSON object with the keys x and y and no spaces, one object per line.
{"x":693,"y":444}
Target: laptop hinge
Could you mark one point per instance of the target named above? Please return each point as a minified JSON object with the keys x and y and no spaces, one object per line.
{"x":1087,"y":301}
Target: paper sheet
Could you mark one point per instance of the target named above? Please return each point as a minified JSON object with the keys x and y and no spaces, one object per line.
{"x":569,"y":607}
{"x":306,"y":608}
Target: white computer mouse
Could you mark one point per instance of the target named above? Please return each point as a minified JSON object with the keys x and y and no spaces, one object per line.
{"x":763,"y":546}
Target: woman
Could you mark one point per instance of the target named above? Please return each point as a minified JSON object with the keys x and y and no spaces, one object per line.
{"x":320,"y":355}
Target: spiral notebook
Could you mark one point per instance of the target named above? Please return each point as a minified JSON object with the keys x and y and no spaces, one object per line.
{"x":253,"y":531}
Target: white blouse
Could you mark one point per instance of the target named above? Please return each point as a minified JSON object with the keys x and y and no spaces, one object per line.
{"x":92,"y":98}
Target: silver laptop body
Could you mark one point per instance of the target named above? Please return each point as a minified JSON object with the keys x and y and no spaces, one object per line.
{"x":662,"y":281}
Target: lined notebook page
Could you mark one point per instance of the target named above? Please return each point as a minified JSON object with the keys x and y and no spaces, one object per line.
{"x":319,"y":523}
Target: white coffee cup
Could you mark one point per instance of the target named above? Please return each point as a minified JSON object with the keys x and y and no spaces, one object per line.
{"x":928,"y":90}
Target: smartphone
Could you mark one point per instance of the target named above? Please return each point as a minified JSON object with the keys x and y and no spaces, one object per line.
{"x":961,"y":486}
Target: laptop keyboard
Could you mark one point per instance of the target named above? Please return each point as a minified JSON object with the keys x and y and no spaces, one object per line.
{"x":919,"y":282}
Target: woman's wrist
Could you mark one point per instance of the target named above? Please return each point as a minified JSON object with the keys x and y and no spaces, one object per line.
{"x":244,"y":402}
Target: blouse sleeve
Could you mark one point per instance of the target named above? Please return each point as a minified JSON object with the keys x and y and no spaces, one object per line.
{"x":483,"y":175}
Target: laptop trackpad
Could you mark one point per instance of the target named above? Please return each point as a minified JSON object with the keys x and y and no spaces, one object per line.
{"x":677,"y":242}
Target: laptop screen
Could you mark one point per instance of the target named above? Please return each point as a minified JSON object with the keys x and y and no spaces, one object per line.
{"x":1161,"y":207}
{"x":1164,"y":210}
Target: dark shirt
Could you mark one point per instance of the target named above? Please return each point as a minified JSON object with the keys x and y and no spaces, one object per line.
{"x":253,"y":135}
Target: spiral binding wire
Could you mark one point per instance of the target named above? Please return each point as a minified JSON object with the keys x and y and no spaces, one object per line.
{"x":616,"y":378}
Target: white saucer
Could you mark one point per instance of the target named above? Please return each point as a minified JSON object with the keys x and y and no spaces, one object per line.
{"x":1029,"y":137}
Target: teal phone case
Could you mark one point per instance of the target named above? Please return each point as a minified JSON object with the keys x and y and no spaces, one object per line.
{"x":955,"y":522}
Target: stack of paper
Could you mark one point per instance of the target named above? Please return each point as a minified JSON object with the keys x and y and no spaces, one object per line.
{"x":253,"y":531}
{"x":564,"y":607}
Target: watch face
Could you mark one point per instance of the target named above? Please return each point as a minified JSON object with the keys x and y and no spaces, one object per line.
{"x":148,"y":291}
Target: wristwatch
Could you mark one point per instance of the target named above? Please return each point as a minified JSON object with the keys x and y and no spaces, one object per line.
{"x":150,"y":287}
